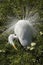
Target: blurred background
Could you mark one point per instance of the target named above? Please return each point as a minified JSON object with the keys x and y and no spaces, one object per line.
{"x":19,"y":9}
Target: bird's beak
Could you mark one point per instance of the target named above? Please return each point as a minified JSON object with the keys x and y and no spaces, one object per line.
{"x":14,"y":47}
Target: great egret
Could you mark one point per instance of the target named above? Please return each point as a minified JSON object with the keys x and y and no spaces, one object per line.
{"x":23,"y":32}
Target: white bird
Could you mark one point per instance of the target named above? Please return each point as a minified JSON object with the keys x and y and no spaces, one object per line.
{"x":23,"y":30}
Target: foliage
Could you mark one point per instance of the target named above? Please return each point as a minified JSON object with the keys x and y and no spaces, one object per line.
{"x":17,"y":8}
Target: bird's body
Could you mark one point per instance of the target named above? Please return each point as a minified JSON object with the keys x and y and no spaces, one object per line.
{"x":24,"y":32}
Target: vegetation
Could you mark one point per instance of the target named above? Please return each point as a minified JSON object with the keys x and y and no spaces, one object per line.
{"x":17,"y":8}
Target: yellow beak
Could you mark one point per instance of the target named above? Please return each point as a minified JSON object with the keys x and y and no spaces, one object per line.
{"x":14,"y":47}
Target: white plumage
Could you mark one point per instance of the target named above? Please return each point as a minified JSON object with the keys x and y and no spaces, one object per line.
{"x":24,"y":32}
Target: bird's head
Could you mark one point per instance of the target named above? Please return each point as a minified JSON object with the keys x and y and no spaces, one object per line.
{"x":10,"y":40}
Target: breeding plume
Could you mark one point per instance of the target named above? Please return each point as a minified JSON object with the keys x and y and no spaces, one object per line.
{"x":23,"y":31}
